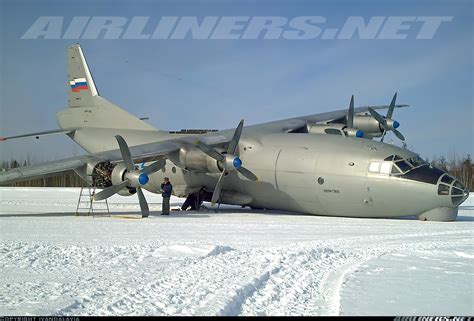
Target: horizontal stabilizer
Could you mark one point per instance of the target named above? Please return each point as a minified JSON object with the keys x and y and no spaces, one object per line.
{"x":38,"y":134}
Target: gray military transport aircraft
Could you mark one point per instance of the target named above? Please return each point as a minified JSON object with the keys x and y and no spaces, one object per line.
{"x":322,"y":164}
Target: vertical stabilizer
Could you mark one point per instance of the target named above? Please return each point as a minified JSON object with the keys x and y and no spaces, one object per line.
{"x":87,"y":109}
{"x":81,"y":85}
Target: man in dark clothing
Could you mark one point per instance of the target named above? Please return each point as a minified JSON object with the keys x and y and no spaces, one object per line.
{"x":166,"y":188}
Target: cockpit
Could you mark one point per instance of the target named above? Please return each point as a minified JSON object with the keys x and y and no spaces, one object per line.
{"x":396,"y":165}
{"x":417,"y":169}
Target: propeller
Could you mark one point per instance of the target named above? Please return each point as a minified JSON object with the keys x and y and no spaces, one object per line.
{"x":387,"y":123}
{"x":132,"y":178}
{"x":228,"y":161}
{"x":350,"y":130}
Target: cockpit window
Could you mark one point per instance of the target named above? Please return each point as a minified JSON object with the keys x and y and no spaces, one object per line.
{"x":458,"y":185}
{"x":443,"y":189}
{"x":403,"y":166}
{"x":395,"y":170}
{"x":416,"y":161}
{"x":385,"y":167}
{"x":425,"y":174}
{"x":374,"y":167}
{"x":416,"y":169}
{"x":447,"y":179}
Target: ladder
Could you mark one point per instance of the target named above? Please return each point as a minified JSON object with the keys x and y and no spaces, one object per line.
{"x":86,"y":205}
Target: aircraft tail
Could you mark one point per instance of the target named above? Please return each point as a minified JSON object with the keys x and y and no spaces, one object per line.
{"x":81,"y":85}
{"x":86,"y":107}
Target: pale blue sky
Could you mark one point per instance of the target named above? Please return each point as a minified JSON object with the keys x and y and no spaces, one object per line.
{"x":214,"y":83}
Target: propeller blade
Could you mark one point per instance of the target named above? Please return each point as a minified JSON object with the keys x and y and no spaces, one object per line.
{"x":210,"y":151}
{"x":398,"y":134}
{"x":143,"y":204}
{"x":109,"y":191}
{"x":377,"y":116}
{"x":218,"y":189}
{"x":234,"y":142}
{"x":125,"y":151}
{"x":251,"y":176}
{"x":392,"y":106}
{"x":350,"y":113}
{"x":155,"y":167}
{"x":383,"y":135}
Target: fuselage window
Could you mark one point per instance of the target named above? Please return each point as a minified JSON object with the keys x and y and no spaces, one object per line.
{"x":397,"y":158}
{"x":389,"y":158}
{"x":374,"y":167}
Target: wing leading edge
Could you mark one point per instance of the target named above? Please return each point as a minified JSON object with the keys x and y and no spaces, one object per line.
{"x":286,"y":125}
{"x":140,"y":153}
{"x":154,"y":151}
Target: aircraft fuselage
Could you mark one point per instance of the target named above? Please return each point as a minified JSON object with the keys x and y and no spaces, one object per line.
{"x":323,"y":175}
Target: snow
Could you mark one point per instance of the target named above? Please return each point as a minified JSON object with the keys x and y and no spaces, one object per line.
{"x":235,"y":262}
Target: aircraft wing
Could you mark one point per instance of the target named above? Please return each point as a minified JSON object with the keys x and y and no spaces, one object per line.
{"x":139,"y":153}
{"x":297,"y":122}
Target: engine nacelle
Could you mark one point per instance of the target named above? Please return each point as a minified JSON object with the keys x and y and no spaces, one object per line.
{"x":334,"y":129}
{"x":367,"y":124}
{"x":195,"y":160}
{"x":352,"y":132}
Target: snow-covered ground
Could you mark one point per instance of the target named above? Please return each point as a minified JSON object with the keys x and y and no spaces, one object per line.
{"x":235,"y":262}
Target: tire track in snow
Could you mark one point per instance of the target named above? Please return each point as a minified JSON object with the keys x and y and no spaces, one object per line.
{"x":311,"y":284}
{"x":300,"y":278}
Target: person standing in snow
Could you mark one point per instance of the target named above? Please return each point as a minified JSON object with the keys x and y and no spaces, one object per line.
{"x":166,"y":188}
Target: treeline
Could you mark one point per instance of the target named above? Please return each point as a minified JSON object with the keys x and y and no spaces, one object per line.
{"x":69,"y":179}
{"x":461,"y":168}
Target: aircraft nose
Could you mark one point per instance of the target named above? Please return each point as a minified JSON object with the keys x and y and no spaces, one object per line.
{"x":449,"y":186}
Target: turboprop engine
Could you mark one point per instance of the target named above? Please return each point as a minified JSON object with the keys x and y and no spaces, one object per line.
{"x":126,"y":178}
{"x":117,"y":176}
{"x":347,"y":129}
{"x":194,"y":160}
{"x":334,"y":129}
{"x":375,"y":125}
{"x":369,"y":125}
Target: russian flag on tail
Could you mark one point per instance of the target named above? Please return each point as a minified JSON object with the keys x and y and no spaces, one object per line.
{"x":78,"y":84}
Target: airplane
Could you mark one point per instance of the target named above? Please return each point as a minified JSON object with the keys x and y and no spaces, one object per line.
{"x":323,"y":164}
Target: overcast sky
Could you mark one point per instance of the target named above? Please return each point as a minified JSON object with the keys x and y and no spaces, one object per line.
{"x":209,"y":83}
